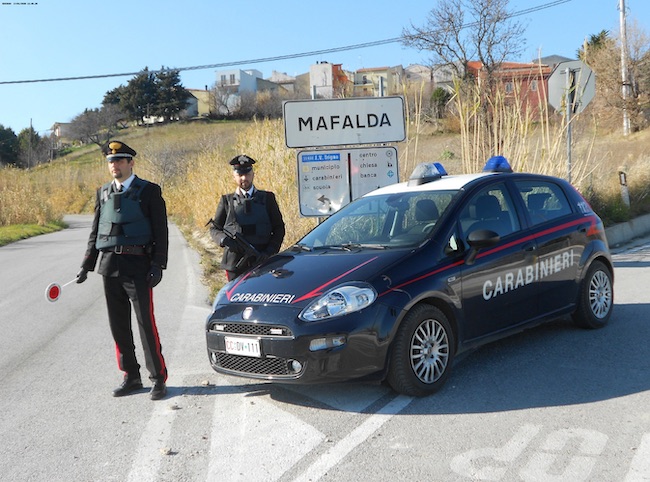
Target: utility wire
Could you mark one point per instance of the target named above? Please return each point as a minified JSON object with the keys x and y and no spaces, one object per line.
{"x":266,"y":59}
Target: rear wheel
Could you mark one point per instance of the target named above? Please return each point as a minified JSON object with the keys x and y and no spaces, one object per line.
{"x":423,"y":352}
{"x":596,"y":298}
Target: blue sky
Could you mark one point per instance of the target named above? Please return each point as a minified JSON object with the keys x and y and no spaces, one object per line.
{"x":48,"y":39}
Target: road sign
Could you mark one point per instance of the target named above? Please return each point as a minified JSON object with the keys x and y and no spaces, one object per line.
{"x":571,"y":81}
{"x":340,"y":122}
{"x":328,"y":180}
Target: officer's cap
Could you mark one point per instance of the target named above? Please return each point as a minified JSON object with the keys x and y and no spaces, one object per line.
{"x":242,"y":164}
{"x":115,"y":150}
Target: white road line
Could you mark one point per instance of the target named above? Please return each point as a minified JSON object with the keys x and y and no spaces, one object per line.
{"x":252,"y":439}
{"x":355,"y":438}
{"x":640,"y":468}
{"x":157,"y":433}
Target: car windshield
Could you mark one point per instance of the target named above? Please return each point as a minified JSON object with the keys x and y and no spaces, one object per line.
{"x":382,"y":221}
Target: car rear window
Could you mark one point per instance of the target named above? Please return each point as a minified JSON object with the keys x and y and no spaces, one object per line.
{"x":544,"y":201}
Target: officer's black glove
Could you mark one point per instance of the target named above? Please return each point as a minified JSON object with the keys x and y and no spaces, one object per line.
{"x":154,"y":276}
{"x":231,"y":244}
{"x":82,"y":275}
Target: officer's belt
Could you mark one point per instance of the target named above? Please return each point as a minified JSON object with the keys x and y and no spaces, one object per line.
{"x":134,"y":250}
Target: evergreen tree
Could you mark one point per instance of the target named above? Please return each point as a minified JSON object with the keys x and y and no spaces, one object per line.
{"x":159,"y":94}
{"x":32,"y":148}
{"x":8,"y":146}
{"x":172,"y":96}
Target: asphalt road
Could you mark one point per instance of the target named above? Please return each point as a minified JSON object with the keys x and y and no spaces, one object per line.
{"x":551,"y":404}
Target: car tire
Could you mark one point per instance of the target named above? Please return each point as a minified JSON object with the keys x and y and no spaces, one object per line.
{"x":422,"y":353}
{"x":596,"y":297}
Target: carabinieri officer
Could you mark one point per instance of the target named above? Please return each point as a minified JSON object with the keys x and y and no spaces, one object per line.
{"x":250,"y":212}
{"x":130,"y":230}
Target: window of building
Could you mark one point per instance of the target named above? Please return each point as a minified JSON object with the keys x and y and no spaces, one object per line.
{"x":509,"y":87}
{"x":232,"y":79}
{"x":223,"y":80}
{"x":533,"y":85}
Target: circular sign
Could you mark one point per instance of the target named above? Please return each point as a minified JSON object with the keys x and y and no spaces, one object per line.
{"x":52,"y":292}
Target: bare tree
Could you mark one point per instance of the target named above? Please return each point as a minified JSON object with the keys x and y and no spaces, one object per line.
{"x":602,"y":53}
{"x":96,"y":125}
{"x":458,"y":32}
{"x":223,"y":97}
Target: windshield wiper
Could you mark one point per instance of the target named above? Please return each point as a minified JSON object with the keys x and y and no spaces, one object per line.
{"x":351,"y":246}
{"x":300,"y":247}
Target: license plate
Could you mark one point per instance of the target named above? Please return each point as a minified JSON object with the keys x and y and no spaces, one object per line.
{"x":243,"y":346}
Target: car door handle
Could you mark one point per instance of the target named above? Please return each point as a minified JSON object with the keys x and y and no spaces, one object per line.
{"x":529,"y":247}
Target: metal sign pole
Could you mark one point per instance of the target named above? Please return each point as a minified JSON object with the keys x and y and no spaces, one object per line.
{"x":569,"y":108}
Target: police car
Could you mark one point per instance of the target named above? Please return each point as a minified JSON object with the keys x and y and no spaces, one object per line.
{"x":399,"y":282}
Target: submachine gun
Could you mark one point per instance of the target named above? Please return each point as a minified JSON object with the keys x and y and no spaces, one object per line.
{"x":247,"y":249}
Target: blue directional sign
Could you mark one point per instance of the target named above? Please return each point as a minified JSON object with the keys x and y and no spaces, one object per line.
{"x":328,"y":180}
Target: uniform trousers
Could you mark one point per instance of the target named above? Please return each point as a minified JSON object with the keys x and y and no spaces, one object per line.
{"x":122,"y":292}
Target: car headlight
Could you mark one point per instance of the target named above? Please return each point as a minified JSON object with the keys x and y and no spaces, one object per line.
{"x":340,"y":301}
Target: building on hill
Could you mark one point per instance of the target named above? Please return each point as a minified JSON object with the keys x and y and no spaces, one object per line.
{"x":61,"y":132}
{"x":328,"y":81}
{"x":282,"y":79}
{"x":232,"y":84}
{"x":418,"y":74}
{"x":378,"y":81}
{"x":200,"y":103}
{"x":525,"y":83}
{"x":239,"y":80}
{"x":551,"y":60}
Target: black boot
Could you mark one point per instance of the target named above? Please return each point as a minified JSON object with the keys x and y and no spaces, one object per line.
{"x":159,"y":390}
{"x":129,"y":385}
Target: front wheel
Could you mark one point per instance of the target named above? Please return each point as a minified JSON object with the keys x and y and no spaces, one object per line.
{"x":423,"y":352}
{"x":596,"y":297}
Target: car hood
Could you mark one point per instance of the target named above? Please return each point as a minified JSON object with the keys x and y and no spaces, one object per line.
{"x":295,"y":279}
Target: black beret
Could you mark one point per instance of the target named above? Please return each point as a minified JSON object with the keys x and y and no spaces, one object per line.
{"x":242,"y":163}
{"x":114,"y":150}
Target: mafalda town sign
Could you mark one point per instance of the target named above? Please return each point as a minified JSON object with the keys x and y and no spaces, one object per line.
{"x":328,"y":179}
{"x":337,"y":122}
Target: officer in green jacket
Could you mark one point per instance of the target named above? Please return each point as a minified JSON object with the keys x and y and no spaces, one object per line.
{"x":131,"y":233}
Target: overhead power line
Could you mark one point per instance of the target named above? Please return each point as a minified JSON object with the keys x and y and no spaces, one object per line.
{"x":266,"y":59}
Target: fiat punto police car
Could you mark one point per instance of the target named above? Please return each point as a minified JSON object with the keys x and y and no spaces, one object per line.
{"x":399,"y":282}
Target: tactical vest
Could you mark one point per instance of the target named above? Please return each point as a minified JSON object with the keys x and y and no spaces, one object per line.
{"x":250,"y":218}
{"x":121,"y":220}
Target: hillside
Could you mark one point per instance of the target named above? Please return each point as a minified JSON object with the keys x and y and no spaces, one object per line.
{"x":190,"y":161}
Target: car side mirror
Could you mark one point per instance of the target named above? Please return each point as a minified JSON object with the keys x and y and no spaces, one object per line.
{"x":478,"y":240}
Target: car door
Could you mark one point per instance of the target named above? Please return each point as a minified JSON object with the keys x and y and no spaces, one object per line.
{"x":496,"y":290}
{"x":560,"y":236}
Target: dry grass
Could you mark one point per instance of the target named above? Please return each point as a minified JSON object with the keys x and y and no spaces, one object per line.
{"x":191,"y":163}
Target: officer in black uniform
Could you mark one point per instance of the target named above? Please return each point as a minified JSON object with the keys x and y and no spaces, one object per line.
{"x":252,"y":213}
{"x":130,"y":230}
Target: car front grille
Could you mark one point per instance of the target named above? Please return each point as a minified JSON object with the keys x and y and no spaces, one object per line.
{"x":255,"y":329}
{"x":257,"y":366}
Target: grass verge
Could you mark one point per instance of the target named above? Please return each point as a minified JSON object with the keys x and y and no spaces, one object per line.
{"x":9,"y":234}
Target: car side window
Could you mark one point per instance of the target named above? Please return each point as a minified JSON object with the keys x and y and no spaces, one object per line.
{"x":544,"y":201}
{"x":492,"y":208}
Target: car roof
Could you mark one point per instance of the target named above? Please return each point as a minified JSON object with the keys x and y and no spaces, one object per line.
{"x":444,"y":183}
